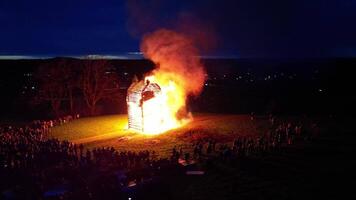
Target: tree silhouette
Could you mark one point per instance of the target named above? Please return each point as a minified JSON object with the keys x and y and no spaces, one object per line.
{"x":51,"y":82}
{"x":71,"y":75}
{"x":98,"y":81}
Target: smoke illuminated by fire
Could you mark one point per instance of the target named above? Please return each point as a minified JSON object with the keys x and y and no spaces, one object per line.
{"x":178,"y":72}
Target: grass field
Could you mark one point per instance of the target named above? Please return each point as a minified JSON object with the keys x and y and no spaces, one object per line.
{"x":111,"y":130}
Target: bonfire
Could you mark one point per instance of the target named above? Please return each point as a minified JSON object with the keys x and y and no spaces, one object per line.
{"x":157,"y":103}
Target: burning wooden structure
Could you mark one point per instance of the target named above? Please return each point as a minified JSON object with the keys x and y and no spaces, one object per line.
{"x":142,"y":103}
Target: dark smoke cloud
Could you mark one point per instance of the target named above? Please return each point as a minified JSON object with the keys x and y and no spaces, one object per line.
{"x":259,"y":28}
{"x":148,"y":16}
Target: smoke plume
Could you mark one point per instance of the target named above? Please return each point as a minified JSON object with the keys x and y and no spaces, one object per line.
{"x":177,"y":57}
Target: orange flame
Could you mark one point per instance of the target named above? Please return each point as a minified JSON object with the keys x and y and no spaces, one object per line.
{"x":178,"y":72}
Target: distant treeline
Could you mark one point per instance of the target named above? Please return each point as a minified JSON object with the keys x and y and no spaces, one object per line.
{"x":315,"y":86}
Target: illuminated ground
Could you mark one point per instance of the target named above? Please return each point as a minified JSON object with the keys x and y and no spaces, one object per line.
{"x":111,"y":130}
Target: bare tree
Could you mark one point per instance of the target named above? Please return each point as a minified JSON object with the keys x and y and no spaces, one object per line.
{"x":98,"y":82}
{"x":71,"y":76}
{"x":51,"y":84}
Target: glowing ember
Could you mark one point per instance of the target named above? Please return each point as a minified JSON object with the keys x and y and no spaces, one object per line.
{"x":158,"y":103}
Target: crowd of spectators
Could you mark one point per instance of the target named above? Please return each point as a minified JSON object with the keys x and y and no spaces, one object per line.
{"x":37,"y":167}
{"x":33,"y":166}
{"x":279,"y":135}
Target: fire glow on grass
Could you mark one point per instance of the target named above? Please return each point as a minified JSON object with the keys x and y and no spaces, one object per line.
{"x":178,"y":74}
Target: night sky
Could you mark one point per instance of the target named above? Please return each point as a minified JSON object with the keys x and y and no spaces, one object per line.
{"x":246,"y":29}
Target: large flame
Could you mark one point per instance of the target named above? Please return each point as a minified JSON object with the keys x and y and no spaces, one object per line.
{"x":178,"y":72}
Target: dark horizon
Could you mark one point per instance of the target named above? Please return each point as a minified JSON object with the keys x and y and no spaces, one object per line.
{"x":137,"y":56}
